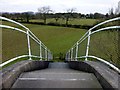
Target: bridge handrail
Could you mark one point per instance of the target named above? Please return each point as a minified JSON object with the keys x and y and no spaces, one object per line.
{"x":48,"y":54}
{"x":101,"y":60}
{"x":74,"y":56}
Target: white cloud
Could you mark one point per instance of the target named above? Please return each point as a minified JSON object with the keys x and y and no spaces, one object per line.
{"x":83,"y":6}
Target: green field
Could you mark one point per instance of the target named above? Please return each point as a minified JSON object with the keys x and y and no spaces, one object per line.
{"x":104,"y":45}
{"x":57,"y":39}
{"x":72,"y":21}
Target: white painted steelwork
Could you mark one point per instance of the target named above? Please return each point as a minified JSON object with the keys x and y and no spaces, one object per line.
{"x":29,"y":35}
{"x":87,"y":36}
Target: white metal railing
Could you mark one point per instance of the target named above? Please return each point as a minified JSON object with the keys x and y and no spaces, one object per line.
{"x":72,"y":54}
{"x":30,"y":35}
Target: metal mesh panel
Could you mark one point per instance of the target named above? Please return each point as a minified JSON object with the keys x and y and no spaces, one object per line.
{"x":104,"y":44}
{"x":74,"y":53}
{"x":14,"y":43}
{"x":82,"y":48}
{"x":35,"y":48}
{"x":43,"y":53}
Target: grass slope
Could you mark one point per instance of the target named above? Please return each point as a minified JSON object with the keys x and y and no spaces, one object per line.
{"x":72,"y":21}
{"x":57,"y":39}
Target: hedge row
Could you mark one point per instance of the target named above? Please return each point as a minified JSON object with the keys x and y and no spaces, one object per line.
{"x":63,"y":25}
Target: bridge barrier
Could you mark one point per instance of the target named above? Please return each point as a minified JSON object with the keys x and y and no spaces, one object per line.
{"x":11,"y":73}
{"x":89,"y":46}
{"x":108,"y":78}
{"x":34,"y":48}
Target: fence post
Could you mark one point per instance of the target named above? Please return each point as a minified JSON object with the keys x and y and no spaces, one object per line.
{"x":46,"y":53}
{"x":49,"y":55}
{"x":67,"y":56}
{"x":1,"y":43}
{"x":76,"y":54}
{"x":71,"y":53}
{"x":29,"y":48}
{"x":40,"y":51}
{"x":88,"y":45}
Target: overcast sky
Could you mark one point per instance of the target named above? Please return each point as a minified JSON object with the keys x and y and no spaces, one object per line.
{"x":82,"y":6}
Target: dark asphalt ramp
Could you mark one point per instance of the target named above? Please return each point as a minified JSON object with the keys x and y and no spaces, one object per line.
{"x":58,"y":75}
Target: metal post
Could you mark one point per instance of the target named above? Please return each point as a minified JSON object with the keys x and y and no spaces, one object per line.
{"x":46,"y":53}
{"x":88,"y":44}
{"x":29,"y":48}
{"x":66,"y":58}
{"x":1,"y":43}
{"x":71,"y":53}
{"x":40,"y":51}
{"x":76,"y":54}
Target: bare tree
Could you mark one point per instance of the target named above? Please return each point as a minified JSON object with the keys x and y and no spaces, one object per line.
{"x":27,"y":16}
{"x":117,"y":12}
{"x":68,"y":14}
{"x":57,"y":16}
{"x":44,"y":11}
{"x":111,"y":13}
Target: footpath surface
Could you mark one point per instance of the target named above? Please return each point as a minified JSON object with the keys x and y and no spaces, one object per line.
{"x":57,"y":75}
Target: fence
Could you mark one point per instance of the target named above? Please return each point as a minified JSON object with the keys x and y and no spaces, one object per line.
{"x":82,"y":48}
{"x":44,"y":52}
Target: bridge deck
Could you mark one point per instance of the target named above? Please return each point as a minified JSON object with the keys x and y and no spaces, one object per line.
{"x":58,"y":75}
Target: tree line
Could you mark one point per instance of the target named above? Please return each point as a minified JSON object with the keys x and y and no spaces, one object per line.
{"x":46,"y":12}
{"x":32,"y":15}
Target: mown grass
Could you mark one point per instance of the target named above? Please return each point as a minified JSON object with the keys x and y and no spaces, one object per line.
{"x":57,"y":39}
{"x":73,"y":21}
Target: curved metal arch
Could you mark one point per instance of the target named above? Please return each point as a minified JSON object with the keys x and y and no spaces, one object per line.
{"x":84,"y":36}
{"x":3,"y":18}
{"x":106,"y":28}
{"x":107,"y":21}
{"x":87,"y":35}
{"x":96,"y":31}
{"x":90,"y":31}
{"x":13,"y":28}
{"x":29,"y":35}
{"x":13,"y":59}
{"x":102,"y":60}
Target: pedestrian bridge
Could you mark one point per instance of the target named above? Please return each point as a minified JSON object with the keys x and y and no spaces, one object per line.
{"x":76,"y":72}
